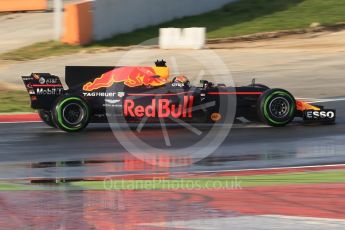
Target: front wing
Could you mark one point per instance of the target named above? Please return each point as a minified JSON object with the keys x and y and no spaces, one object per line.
{"x":315,"y":113}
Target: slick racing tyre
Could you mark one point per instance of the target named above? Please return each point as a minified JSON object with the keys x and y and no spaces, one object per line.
{"x":71,"y":113}
{"x":276,"y":107}
{"x":46,"y":117}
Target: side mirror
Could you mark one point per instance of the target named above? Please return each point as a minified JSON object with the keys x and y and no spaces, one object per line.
{"x":253,"y":81}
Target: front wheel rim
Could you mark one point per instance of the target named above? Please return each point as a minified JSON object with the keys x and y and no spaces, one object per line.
{"x":279,"y":107}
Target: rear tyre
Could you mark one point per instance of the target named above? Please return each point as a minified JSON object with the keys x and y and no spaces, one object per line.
{"x":276,"y":107}
{"x":71,"y":113}
{"x":46,"y":117}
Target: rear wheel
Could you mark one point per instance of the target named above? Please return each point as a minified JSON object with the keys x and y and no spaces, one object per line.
{"x":71,"y":113}
{"x":276,"y":107}
{"x":46,"y":117}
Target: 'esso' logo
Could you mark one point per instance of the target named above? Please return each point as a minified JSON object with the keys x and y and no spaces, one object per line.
{"x":320,"y":114}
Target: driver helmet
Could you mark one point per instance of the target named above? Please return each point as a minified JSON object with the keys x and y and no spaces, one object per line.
{"x":181,"y":79}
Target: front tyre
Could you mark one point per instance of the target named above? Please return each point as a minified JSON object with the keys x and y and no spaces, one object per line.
{"x":276,"y":107}
{"x":71,"y":113}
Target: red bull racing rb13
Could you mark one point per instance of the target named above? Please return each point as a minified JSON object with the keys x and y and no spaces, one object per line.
{"x":133,"y":93}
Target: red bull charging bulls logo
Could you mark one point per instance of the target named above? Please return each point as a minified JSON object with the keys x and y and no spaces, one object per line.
{"x":131,"y":77}
{"x":161,"y":108}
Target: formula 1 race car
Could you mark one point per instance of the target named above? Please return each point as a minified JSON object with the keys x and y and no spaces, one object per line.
{"x":135,"y":92}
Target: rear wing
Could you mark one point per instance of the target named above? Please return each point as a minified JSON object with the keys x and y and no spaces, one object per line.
{"x":43,"y":89}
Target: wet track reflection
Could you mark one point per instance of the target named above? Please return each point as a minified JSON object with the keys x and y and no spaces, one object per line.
{"x":34,"y":150}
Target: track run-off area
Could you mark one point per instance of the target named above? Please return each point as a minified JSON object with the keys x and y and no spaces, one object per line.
{"x":259,"y":177}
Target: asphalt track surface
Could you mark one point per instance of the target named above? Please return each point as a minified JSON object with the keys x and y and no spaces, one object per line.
{"x":35,"y":150}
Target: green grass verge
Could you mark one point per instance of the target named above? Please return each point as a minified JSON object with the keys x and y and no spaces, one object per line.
{"x":240,"y":18}
{"x":14,"y":187}
{"x":40,"y":50}
{"x":217,"y":183}
{"x":14,"y":101}
{"x":337,"y":176}
{"x":25,"y":186}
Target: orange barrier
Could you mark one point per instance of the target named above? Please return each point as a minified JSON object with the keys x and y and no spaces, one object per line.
{"x":22,"y":5}
{"x":78,"y":23}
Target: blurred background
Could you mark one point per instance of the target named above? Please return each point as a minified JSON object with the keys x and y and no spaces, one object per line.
{"x":276,"y":41}
{"x":297,"y":45}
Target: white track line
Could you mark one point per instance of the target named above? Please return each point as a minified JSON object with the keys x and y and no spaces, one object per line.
{"x":252,"y":222}
{"x":19,"y":122}
{"x":274,"y":168}
{"x":199,"y":172}
{"x":319,"y":100}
